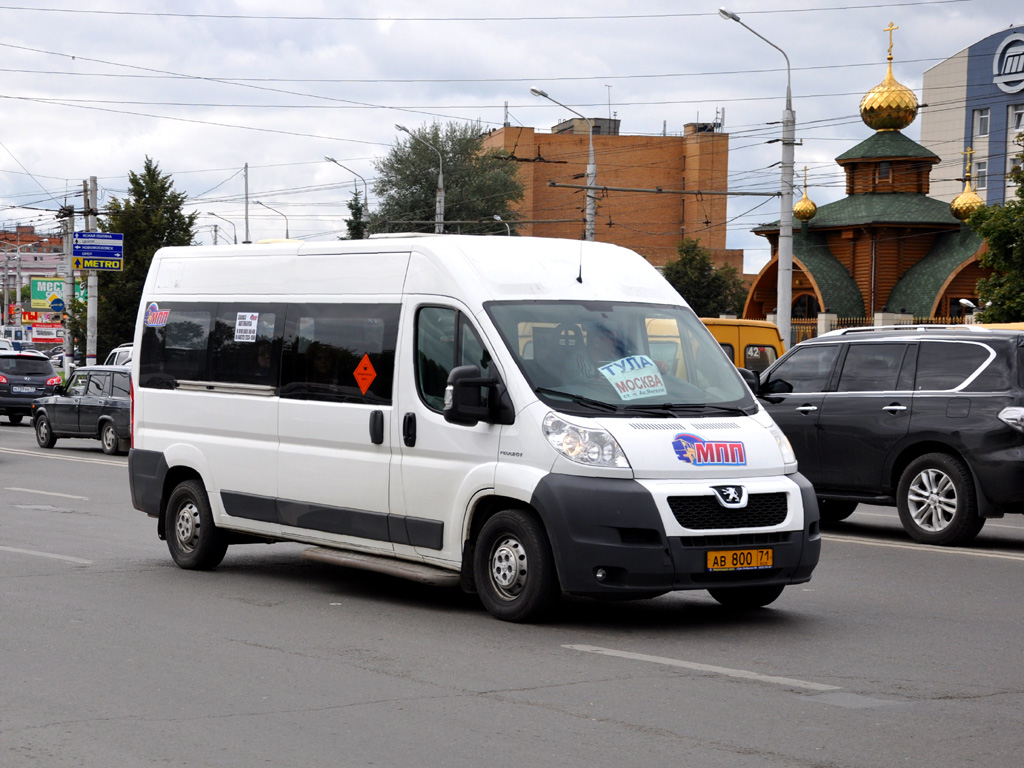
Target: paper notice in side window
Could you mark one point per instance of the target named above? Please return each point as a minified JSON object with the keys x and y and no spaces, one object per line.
{"x":633,"y":377}
{"x":245,"y":326}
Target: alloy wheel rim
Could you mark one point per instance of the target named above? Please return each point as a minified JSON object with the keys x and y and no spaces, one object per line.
{"x":932,"y":500}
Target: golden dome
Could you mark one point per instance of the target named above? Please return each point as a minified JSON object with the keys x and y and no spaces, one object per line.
{"x":805,"y":208}
{"x":889,"y":106}
{"x":966,"y":203}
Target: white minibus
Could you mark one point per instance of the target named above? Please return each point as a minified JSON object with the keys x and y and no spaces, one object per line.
{"x":486,"y":412}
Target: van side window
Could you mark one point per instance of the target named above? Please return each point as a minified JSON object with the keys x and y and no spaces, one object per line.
{"x":445,"y":339}
{"x":757,"y":357}
{"x":178,"y":348}
{"x":246,"y":343}
{"x":340,"y":352}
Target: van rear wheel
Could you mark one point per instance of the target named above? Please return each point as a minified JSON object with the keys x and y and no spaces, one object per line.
{"x":194,"y":542}
{"x":514,"y":568}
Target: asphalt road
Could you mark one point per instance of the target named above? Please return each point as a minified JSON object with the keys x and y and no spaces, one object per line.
{"x":894,"y":654}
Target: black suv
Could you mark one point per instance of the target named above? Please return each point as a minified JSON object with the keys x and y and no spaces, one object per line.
{"x":95,"y":403}
{"x":24,"y":376}
{"x":929,"y":418}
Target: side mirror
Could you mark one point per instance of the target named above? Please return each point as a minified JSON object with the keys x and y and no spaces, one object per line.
{"x":776,"y":387}
{"x":59,"y":389}
{"x":751,"y":378}
{"x":469,"y":399}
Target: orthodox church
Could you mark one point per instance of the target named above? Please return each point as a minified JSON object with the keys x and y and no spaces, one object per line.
{"x":887,"y":246}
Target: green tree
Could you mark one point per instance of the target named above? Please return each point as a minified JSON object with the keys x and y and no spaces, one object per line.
{"x":150,"y":217}
{"x":1002,"y":226}
{"x":709,"y":290}
{"x":478,"y":185}
{"x":357,"y":224}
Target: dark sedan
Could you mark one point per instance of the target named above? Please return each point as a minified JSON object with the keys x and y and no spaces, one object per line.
{"x":24,"y":376}
{"x":96,"y":403}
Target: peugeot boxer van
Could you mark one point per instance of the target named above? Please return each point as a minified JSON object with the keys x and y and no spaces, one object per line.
{"x":476,"y":411}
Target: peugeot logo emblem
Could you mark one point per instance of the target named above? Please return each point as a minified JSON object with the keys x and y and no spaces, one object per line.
{"x":731,"y":496}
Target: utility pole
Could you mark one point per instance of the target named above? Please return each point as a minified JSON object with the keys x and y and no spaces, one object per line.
{"x":246,"y":204}
{"x":93,"y":288}
{"x":67,"y":214}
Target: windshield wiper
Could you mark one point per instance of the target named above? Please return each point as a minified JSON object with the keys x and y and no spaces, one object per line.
{"x":578,"y":399}
{"x":674,"y":408}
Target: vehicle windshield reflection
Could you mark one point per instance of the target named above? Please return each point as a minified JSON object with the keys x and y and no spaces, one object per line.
{"x":624,"y":359}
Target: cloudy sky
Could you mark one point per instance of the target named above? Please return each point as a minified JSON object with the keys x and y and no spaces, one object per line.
{"x":204,"y":87}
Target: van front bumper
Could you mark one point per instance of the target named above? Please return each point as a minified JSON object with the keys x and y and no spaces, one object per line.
{"x":608,"y":539}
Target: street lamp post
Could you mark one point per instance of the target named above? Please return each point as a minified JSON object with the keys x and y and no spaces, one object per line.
{"x":591,"y":165}
{"x":286,"y":235}
{"x":508,"y":229}
{"x":366,"y":196}
{"x":233,"y":227}
{"x":17,"y":260}
{"x":784,"y":310}
{"x":439,"y":207}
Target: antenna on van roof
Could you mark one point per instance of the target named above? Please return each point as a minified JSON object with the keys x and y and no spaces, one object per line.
{"x":579,"y":277}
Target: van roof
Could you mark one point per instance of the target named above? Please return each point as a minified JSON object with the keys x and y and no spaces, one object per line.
{"x":483,"y":267}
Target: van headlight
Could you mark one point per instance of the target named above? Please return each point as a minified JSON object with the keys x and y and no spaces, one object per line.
{"x":788,"y":457}
{"x":593,"y":447}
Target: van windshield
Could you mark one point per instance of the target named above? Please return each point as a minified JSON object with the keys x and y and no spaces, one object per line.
{"x":621,"y":359}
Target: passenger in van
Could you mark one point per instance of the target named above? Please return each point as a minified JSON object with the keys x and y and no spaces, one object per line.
{"x":324,"y":369}
{"x":602,"y":347}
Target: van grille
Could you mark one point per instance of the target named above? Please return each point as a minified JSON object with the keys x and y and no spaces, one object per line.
{"x":699,"y":513}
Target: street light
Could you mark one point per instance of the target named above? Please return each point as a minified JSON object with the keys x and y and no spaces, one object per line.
{"x":784,"y":308}
{"x":233,"y":227}
{"x":286,"y":235}
{"x":508,"y":229}
{"x":439,"y":207}
{"x":591,"y":165}
{"x":366,"y":196}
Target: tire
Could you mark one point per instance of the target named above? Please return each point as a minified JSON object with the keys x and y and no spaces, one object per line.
{"x":835,"y":510}
{"x":747,"y":598}
{"x":937,"y":501}
{"x":109,"y":439}
{"x":15,"y":418}
{"x":44,"y":433}
{"x":194,"y":542}
{"x":514,"y":568}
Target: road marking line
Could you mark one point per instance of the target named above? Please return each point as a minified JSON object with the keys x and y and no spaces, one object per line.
{"x":48,"y":493}
{"x":924,"y":547}
{"x":59,"y":457}
{"x":78,"y":560}
{"x":740,"y":673}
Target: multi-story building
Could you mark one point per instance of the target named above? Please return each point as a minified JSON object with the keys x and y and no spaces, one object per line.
{"x":630,"y":211}
{"x":975,"y":101}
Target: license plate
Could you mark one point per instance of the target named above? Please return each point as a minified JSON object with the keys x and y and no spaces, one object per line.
{"x":23,"y":390}
{"x":739,"y":560}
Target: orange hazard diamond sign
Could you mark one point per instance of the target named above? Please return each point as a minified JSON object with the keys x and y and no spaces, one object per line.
{"x":365,"y":374}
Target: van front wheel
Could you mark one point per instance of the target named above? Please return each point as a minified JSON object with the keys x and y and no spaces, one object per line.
{"x":192,"y":538}
{"x":513,"y":567}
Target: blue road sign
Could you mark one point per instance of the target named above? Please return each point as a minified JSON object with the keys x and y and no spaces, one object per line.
{"x":97,"y":250}
{"x":57,"y":305}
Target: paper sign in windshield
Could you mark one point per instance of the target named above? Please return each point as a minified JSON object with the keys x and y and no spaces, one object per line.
{"x":245,"y":326}
{"x":633,"y":377}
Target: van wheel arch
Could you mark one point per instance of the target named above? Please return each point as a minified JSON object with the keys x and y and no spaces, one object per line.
{"x":484,"y":510}
{"x":174,"y":477}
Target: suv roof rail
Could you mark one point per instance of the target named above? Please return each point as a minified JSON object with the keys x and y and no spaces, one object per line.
{"x":913,"y":327}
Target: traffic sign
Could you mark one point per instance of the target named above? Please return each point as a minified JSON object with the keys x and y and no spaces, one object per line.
{"x":57,"y":305}
{"x":97,"y":250}
{"x":109,"y":265}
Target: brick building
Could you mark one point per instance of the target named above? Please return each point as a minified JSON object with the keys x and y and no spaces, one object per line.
{"x":652,"y":224}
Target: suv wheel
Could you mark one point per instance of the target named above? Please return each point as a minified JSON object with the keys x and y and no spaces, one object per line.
{"x":937,"y":501}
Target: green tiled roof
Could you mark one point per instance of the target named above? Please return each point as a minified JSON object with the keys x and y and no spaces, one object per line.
{"x":839,"y":291}
{"x":886,"y":144}
{"x":917,"y":290}
{"x":875,"y":208}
